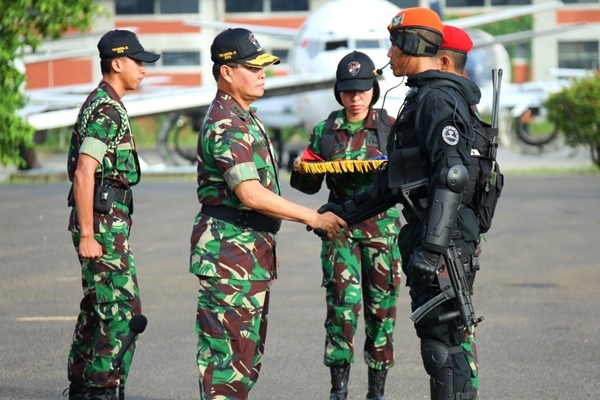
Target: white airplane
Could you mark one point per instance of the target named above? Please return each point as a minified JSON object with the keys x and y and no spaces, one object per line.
{"x":328,"y":34}
{"x":338,"y":27}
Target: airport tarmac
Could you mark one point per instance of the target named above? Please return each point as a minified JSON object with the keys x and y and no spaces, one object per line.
{"x":537,"y":290}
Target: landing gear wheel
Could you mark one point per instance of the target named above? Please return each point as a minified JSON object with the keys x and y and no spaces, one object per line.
{"x":177,"y":139}
{"x":534,"y":129}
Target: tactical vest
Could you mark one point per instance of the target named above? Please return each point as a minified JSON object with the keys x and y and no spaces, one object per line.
{"x":485,"y":179}
{"x":329,"y":133}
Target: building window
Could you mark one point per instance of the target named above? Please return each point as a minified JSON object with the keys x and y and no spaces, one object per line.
{"x":232,"y":6}
{"x":282,"y":54}
{"x":179,"y":6}
{"x":131,"y":7}
{"x":511,"y":2}
{"x":405,"y":3}
{"x":179,"y":58}
{"x":579,"y":55}
{"x":287,"y":5}
{"x":464,"y":3}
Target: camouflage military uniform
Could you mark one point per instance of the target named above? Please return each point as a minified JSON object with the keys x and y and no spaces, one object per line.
{"x":360,"y":262}
{"x":110,"y":289}
{"x":234,"y":264}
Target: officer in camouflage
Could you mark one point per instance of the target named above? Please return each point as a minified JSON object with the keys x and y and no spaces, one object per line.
{"x":362,"y":262}
{"x":429,"y":152}
{"x":233,"y":242}
{"x":103,"y":165}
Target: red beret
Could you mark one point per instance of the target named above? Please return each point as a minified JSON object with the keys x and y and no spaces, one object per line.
{"x":456,"y":39}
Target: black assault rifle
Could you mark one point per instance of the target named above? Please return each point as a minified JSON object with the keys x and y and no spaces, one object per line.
{"x":453,"y":283}
{"x":451,"y":276}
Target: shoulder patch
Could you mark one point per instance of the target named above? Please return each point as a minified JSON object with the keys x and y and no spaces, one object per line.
{"x":450,"y":135}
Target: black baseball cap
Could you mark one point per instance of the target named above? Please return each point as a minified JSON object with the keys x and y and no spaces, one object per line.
{"x":239,"y":45}
{"x":356,"y":71}
{"x":121,"y":43}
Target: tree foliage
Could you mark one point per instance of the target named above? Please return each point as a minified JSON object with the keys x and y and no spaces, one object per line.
{"x":24,"y":25}
{"x":576,"y":112}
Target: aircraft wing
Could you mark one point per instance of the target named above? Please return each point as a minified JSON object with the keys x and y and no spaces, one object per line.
{"x":482,"y":19}
{"x":286,"y":33}
{"x":56,"y":109}
{"x":520,"y":37}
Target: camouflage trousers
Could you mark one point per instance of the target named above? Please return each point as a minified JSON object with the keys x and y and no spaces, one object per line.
{"x":470,"y":349}
{"x":110,"y":298}
{"x":231,"y":324}
{"x":355,"y":270}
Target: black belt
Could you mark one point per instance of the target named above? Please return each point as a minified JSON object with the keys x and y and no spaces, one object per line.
{"x":123,"y":196}
{"x":243,"y":218}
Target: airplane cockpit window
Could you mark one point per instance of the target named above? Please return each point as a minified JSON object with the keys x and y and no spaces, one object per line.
{"x":369,"y":44}
{"x":313,"y":47}
{"x":335,"y":44}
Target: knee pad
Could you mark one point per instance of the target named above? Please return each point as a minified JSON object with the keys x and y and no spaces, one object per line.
{"x":437,"y":362}
{"x":435,"y":356}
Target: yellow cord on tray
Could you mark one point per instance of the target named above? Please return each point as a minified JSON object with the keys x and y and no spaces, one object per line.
{"x":338,"y":167}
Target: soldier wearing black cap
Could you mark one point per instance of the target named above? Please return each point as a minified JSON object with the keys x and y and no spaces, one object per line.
{"x":427,"y":170}
{"x":103,"y":166}
{"x":362,"y":262}
{"x":234,"y":236}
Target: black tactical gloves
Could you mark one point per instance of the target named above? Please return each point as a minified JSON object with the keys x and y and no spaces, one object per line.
{"x":424,"y":264}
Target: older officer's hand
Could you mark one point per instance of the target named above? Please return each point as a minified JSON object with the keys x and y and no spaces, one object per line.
{"x":327,"y":207}
{"x":328,"y":224}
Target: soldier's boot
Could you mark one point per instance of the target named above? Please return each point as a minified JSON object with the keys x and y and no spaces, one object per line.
{"x":107,"y":393}
{"x":339,"y":382}
{"x":76,"y":391}
{"x":376,"y":384}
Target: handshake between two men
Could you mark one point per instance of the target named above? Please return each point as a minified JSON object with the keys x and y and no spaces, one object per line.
{"x":422,"y":264}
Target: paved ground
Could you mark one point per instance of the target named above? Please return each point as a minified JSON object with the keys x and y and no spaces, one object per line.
{"x":537,"y":290}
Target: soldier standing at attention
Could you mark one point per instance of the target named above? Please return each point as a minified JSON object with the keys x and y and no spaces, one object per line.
{"x":103,"y":165}
{"x":360,"y":264}
{"x":452,"y":58}
{"x":233,"y":242}
{"x":429,"y":153}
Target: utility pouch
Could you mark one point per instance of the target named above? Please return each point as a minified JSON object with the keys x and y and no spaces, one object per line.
{"x":103,"y":198}
{"x":405,"y":166}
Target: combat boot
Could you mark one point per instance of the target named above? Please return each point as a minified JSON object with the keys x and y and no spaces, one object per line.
{"x":100,"y":393}
{"x":339,"y":382}
{"x":76,"y":391}
{"x":376,"y":384}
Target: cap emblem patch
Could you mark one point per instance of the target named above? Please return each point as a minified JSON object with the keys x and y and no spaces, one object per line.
{"x":353,"y":67}
{"x":397,"y":21}
{"x":253,"y":40}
